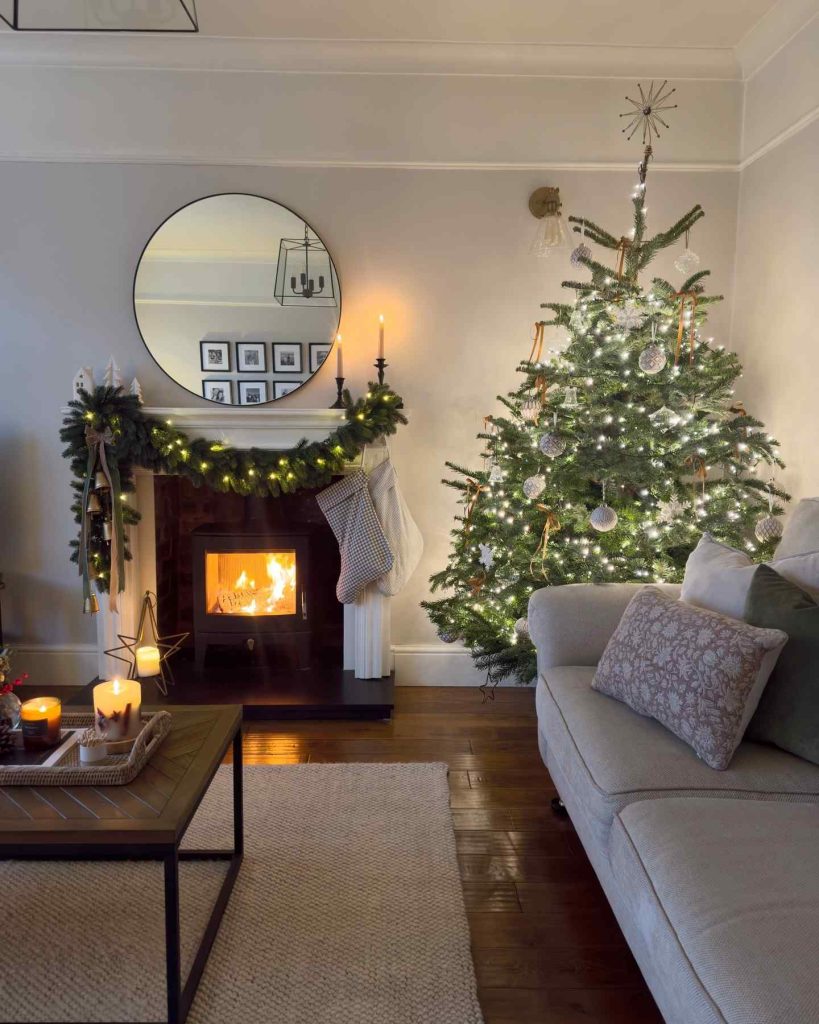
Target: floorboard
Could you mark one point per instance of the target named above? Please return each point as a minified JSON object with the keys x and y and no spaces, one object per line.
{"x":547,"y":948}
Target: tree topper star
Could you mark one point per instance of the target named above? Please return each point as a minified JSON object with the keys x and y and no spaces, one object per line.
{"x":646,"y":111}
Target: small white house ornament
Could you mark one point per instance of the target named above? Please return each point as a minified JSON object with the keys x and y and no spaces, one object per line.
{"x":83,"y":381}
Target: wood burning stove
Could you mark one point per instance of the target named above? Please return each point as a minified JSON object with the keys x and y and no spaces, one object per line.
{"x":250,"y":588}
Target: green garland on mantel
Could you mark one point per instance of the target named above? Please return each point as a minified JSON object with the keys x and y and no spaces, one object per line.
{"x":134,"y":439}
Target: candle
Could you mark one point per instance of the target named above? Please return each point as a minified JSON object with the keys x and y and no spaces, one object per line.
{"x":339,"y":358}
{"x":40,"y":721}
{"x":147,"y":661}
{"x":381,"y":336}
{"x":116,"y":706}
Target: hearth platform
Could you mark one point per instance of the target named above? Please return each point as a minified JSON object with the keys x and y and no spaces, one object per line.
{"x":321,"y":692}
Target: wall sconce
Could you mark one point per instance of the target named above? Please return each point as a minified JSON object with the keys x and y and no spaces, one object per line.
{"x":551,"y":235}
{"x":100,"y":16}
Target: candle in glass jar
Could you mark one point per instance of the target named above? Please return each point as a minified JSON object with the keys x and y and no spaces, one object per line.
{"x":381,"y":336}
{"x":147,"y":661}
{"x":339,"y":358}
{"x":117,"y":705}
{"x":40,"y":721}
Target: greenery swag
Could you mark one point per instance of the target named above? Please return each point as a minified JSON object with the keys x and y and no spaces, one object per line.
{"x":107,"y":435}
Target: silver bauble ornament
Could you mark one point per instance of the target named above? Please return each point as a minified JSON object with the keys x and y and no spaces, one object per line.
{"x":687,"y":261}
{"x":522,"y":627}
{"x":768,"y":528}
{"x":580,"y":252}
{"x":652,"y":359}
{"x":530,"y":409}
{"x":603,"y":518}
{"x":448,"y":636}
{"x":552,"y":445}
{"x":533,"y":486}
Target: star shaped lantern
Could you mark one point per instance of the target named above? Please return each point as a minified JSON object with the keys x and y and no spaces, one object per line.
{"x":148,"y":652}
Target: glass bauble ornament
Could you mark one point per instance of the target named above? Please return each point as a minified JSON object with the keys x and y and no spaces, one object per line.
{"x":9,"y":718}
{"x":687,"y":262}
{"x":522,"y":627}
{"x":530,"y":409}
{"x":570,"y":401}
{"x":768,"y":528}
{"x":630,"y":316}
{"x":603,"y":518}
{"x":664,"y":418}
{"x":552,"y":445}
{"x":580,"y":252}
{"x":652,"y":359}
{"x":448,"y":636}
{"x":534,"y":486}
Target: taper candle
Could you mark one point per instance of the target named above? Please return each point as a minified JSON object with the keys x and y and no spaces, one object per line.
{"x":40,"y":722}
{"x":117,"y":705}
{"x":339,"y":358}
{"x":381,"y":336}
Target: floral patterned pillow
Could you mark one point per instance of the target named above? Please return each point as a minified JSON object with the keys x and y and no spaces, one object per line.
{"x":699,"y":673}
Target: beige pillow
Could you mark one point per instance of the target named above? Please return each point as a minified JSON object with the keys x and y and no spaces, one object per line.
{"x":698,"y":673}
{"x":801,"y":531}
{"x":718,"y":577}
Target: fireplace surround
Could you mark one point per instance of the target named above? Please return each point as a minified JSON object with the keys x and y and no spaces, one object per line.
{"x":364,"y":627}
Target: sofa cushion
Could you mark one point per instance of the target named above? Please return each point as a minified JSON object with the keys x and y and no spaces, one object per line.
{"x":788,"y":714}
{"x":698,"y":673}
{"x":801,"y":531}
{"x":731,"y":885}
{"x":718,"y":576}
{"x":611,"y":756}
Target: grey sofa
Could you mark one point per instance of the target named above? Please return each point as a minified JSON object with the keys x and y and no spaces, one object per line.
{"x":713,"y":876}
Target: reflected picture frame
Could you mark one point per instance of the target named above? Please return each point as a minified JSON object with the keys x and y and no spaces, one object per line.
{"x":285,"y":387}
{"x":251,"y":357}
{"x":219,"y":391}
{"x":253,"y":392}
{"x":319,"y":350}
{"x":287,"y":357}
{"x":214,"y":356}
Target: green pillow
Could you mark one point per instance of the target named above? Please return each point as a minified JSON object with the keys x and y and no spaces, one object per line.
{"x":788,"y":713}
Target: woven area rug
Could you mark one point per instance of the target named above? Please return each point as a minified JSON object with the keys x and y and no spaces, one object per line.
{"x":347,"y":910}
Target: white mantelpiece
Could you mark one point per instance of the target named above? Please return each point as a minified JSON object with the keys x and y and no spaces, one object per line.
{"x":366,"y":623}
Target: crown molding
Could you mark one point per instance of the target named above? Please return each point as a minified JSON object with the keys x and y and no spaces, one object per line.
{"x":361,"y":57}
{"x":772,"y":33}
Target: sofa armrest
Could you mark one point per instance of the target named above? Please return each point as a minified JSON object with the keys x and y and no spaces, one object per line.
{"x":571,"y":624}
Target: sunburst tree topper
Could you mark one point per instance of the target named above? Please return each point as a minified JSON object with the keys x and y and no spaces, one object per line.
{"x":646,"y":112}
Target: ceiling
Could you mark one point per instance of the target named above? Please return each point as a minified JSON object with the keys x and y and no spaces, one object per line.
{"x":672,"y":23}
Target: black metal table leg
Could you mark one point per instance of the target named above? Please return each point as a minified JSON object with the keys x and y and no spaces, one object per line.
{"x":173,"y":960}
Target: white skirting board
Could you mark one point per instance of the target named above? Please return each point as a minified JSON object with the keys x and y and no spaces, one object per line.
{"x":415,"y":664}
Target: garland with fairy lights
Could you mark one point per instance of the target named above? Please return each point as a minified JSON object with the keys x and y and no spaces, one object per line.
{"x":107,"y":434}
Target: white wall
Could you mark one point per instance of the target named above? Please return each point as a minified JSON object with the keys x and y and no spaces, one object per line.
{"x":438,"y":244}
{"x":777,"y":274}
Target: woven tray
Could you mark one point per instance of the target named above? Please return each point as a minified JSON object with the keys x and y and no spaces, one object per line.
{"x":114,"y":770}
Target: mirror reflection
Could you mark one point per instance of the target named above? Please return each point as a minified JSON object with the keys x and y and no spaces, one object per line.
{"x":237,"y":299}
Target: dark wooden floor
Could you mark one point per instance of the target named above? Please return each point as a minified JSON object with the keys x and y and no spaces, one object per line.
{"x":547,"y":948}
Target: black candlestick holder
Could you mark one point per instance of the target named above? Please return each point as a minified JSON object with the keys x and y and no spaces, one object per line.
{"x":339,"y":402}
{"x":381,"y":365}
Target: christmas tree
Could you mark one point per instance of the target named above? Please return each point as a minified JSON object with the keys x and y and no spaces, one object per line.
{"x":613,"y":455}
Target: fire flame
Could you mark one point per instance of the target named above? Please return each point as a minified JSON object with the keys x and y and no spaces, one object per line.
{"x":276,"y":596}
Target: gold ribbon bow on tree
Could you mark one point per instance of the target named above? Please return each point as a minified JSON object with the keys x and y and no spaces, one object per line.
{"x":551,"y":525}
{"x":474,"y":489}
{"x":685,"y":298}
{"x":622,"y":250}
{"x":100,"y":456}
{"x":536,"y":354}
{"x":698,"y":469}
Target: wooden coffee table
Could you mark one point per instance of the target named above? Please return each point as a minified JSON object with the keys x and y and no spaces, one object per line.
{"x":144,"y":820}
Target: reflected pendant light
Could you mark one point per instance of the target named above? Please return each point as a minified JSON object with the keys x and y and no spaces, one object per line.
{"x":100,"y":15}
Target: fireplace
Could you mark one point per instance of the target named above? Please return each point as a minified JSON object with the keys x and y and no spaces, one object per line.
{"x":250,"y":588}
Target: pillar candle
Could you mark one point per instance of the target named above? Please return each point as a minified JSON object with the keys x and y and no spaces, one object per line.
{"x":116,"y":707}
{"x":147,"y":661}
{"x":40,"y":721}
{"x":339,"y":358}
{"x":381,"y":336}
